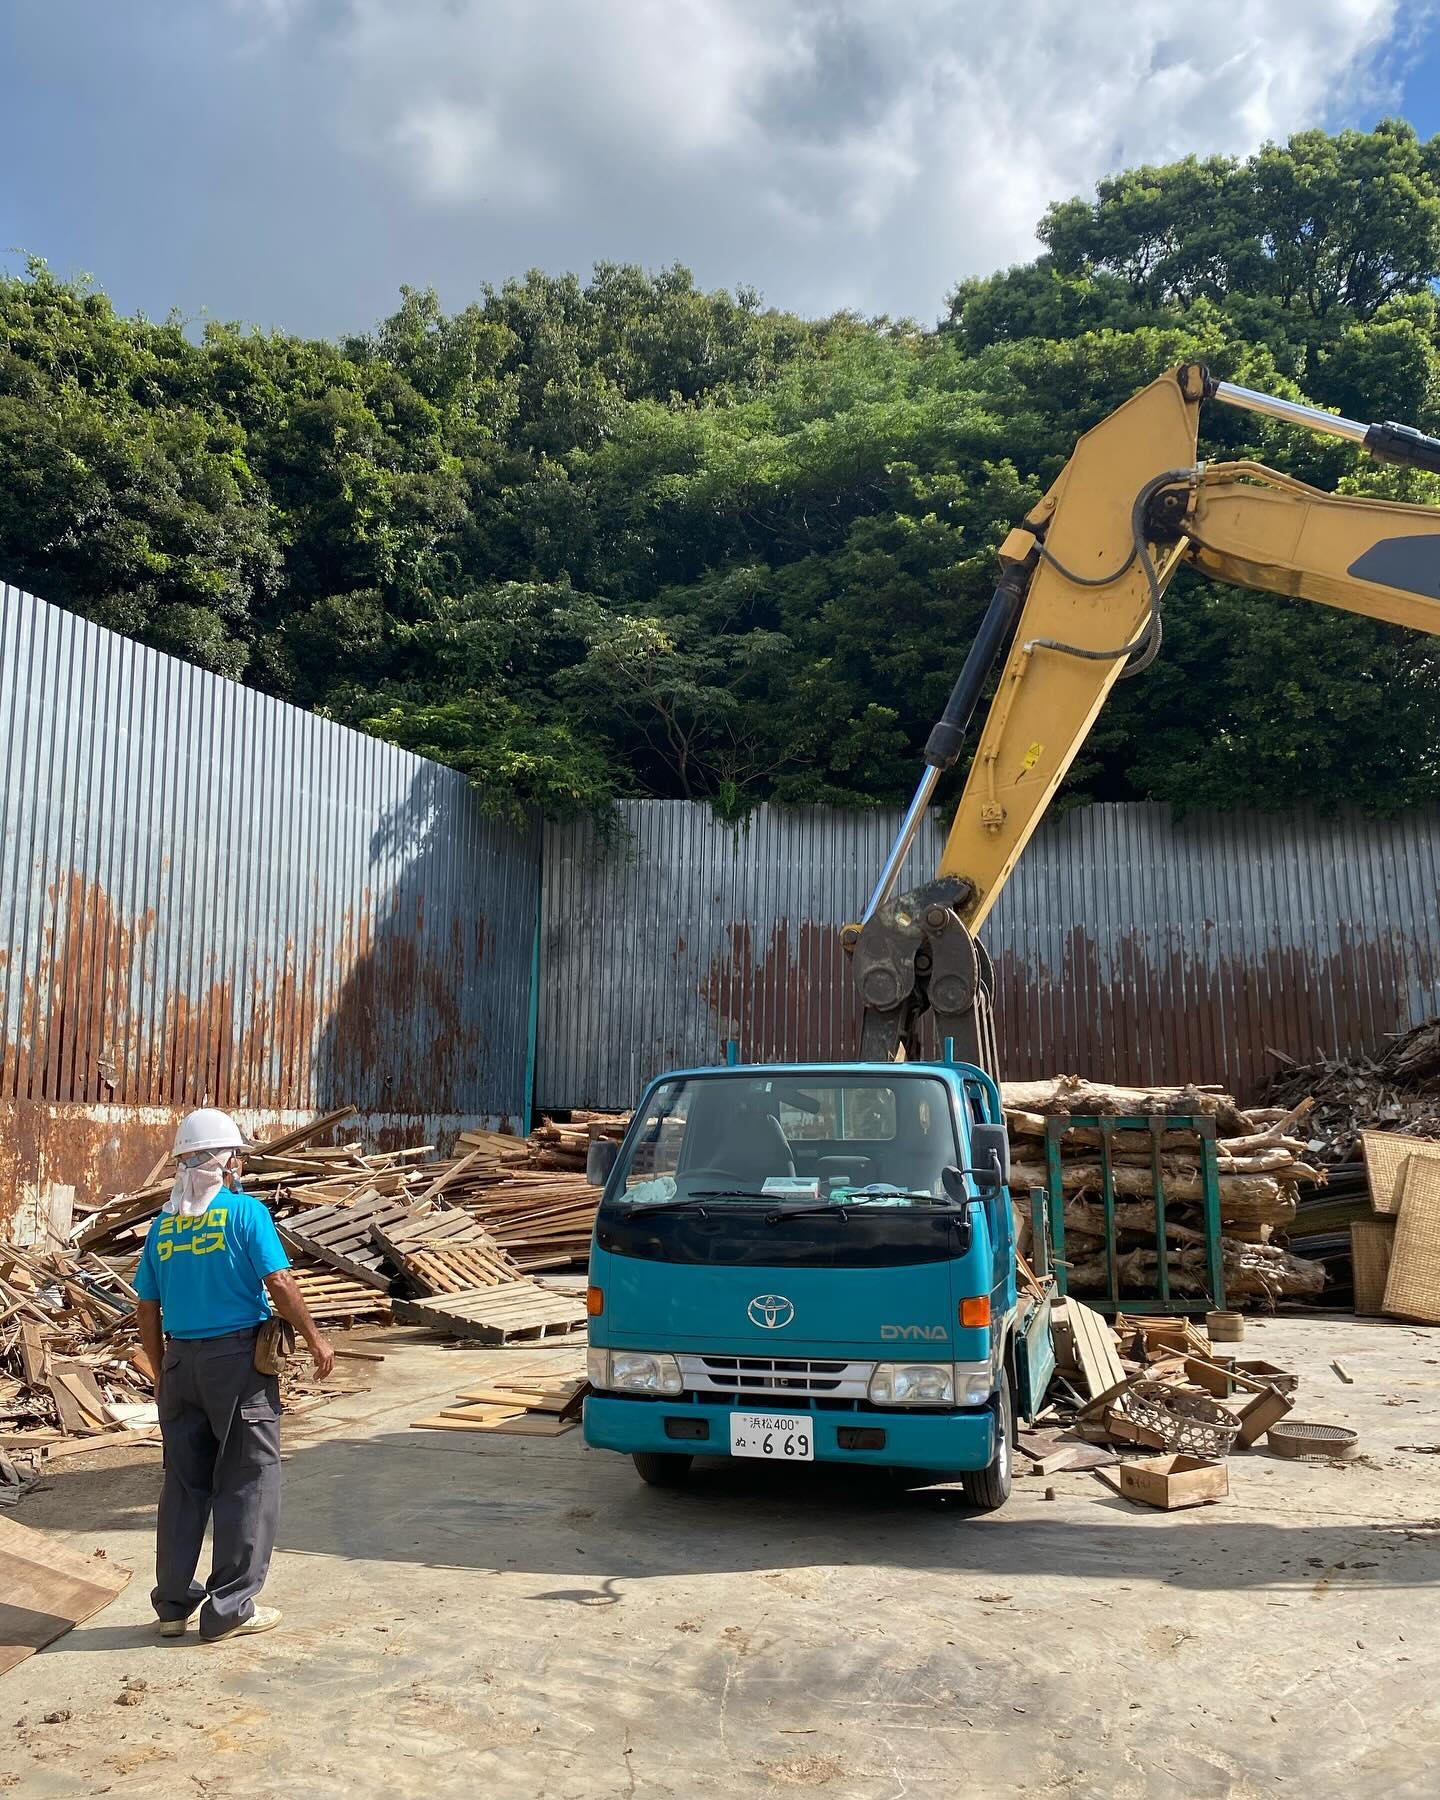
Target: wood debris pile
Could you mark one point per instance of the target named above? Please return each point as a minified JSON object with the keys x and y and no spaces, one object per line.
{"x":1262,"y":1161}
{"x":1398,"y":1090}
{"x":71,"y":1369}
{"x":1151,"y":1398}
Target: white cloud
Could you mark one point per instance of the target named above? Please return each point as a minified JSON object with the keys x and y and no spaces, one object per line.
{"x":866,"y":153}
{"x":861,"y":151}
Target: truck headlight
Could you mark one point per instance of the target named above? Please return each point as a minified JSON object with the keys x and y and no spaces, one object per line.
{"x":633,"y":1372}
{"x":913,"y":1384}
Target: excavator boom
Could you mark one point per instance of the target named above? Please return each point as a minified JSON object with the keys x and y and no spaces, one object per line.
{"x":1077,"y":607}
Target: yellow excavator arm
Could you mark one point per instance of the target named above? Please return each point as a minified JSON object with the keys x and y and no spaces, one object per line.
{"x":1078,"y":605}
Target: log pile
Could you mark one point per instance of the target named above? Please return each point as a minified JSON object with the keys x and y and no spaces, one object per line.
{"x":1262,"y":1161}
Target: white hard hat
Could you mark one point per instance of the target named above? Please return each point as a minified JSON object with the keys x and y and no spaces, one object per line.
{"x":207,"y":1129}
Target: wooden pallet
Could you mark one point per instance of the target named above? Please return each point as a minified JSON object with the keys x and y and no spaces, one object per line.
{"x":516,"y":1312}
{"x":445,"y":1253}
{"x":340,"y":1236}
{"x":332,"y":1297}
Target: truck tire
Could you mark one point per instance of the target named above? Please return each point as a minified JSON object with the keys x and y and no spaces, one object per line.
{"x":660,"y":1470}
{"x":988,"y":1489}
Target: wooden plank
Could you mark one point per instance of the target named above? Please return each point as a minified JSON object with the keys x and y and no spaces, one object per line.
{"x":531,"y":1425}
{"x":1092,"y":1345}
{"x":45,"y":1589}
{"x":32,"y":1353}
{"x":291,"y":1140}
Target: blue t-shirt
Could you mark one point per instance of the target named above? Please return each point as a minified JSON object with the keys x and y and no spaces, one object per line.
{"x":209,"y":1273}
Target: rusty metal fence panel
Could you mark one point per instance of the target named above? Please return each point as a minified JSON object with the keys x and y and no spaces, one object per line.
{"x":1129,"y":946}
{"x":207,"y":895}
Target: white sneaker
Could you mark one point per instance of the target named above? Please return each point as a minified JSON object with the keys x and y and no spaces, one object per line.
{"x":173,"y":1627}
{"x":264,"y":1618}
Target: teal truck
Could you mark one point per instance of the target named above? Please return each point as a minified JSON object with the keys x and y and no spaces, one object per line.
{"x":801,"y":1263}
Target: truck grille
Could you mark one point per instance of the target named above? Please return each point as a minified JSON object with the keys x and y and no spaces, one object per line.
{"x":737,"y":1377}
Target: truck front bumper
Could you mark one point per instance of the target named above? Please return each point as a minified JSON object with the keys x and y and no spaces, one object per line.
{"x":909,"y":1440}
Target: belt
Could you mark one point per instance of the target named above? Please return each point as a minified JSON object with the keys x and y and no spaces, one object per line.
{"x":246,"y":1335}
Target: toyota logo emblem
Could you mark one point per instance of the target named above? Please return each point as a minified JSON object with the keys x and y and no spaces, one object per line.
{"x":770,"y":1311}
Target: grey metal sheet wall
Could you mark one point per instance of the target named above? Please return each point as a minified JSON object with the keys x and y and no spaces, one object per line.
{"x":1129,"y":946}
{"x":207,"y":895}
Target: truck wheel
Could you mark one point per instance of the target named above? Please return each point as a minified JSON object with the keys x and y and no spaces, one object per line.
{"x":660,"y":1470}
{"x":989,"y":1489}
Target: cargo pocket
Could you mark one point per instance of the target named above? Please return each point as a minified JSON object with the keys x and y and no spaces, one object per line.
{"x":167,"y":1406}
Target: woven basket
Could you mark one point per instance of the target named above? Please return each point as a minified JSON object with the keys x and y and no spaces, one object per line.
{"x":1412,"y":1289}
{"x":1299,"y":1437}
{"x":1185,"y":1421}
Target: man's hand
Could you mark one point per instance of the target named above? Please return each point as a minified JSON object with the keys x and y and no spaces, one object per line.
{"x":290,"y":1304}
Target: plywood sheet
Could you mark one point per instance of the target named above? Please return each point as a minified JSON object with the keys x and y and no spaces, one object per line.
{"x":45,"y":1589}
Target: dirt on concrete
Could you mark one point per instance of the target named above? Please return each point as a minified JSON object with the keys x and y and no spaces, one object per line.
{"x":476,"y":1614}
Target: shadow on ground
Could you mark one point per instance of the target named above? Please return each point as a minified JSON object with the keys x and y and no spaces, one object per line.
{"x":582,"y":1524}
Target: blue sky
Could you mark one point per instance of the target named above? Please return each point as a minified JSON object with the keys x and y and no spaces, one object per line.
{"x":292,"y":162}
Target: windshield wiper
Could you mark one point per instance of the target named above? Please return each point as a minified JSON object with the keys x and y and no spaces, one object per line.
{"x":807,"y":1212}
{"x":732,"y":1194}
{"x":638,"y":1207}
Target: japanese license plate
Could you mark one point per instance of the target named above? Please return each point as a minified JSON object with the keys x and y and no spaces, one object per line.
{"x":783,"y":1437}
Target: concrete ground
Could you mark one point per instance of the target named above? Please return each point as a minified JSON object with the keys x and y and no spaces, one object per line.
{"x":469,"y":1614}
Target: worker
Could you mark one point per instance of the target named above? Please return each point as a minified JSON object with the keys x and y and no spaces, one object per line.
{"x":212,"y":1268}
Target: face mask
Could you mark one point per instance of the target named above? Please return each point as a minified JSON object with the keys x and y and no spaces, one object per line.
{"x":197,"y":1181}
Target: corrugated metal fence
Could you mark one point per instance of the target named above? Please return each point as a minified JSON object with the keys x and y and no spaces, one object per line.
{"x":209,"y":896}
{"x":1129,"y":946}
{"x":206,"y":895}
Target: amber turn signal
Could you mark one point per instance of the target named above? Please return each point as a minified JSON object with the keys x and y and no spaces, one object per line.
{"x":595,"y":1302}
{"x":972,"y":1312}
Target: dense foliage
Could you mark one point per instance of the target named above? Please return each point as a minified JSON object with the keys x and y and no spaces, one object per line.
{"x":628,"y":537}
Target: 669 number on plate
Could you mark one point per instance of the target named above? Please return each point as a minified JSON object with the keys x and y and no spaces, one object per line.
{"x":780,"y":1437}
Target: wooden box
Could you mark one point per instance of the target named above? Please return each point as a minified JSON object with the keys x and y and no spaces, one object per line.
{"x":1170,"y":1482}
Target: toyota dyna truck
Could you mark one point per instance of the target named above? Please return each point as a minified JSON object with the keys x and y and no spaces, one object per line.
{"x":817,"y":1263}
{"x":809,"y":1264}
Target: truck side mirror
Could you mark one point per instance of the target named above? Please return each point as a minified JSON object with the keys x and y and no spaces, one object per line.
{"x":990,"y":1148}
{"x":600,"y":1158}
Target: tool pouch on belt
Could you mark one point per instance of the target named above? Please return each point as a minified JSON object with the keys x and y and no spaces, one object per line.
{"x":274,"y":1342}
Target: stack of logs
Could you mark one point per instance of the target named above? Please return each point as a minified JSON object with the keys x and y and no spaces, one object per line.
{"x":1261,"y":1159}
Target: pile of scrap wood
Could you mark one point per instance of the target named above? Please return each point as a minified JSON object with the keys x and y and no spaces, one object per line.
{"x":531,"y":1195}
{"x":1261,"y":1161}
{"x":71,"y":1370}
{"x":376,"y":1235}
{"x":538,"y":1401}
{"x":1152,"y":1385}
{"x":1395,"y":1247}
{"x":1396,"y":1090}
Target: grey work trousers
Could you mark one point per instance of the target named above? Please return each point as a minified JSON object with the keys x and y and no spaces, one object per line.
{"x":220,"y":1421}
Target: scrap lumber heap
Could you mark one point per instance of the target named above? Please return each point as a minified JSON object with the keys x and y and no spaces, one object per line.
{"x":1395,"y":1092}
{"x":71,"y":1369}
{"x":1145,"y":1385}
{"x":1261,"y":1156}
{"x":453,"y":1243}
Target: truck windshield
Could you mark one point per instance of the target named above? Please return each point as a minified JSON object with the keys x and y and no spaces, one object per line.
{"x":791,"y":1141}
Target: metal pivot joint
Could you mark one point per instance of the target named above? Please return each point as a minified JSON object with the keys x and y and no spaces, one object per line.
{"x":916,"y":956}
